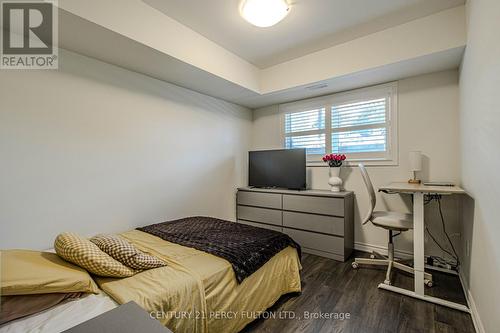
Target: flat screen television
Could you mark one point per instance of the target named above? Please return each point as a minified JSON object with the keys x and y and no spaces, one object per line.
{"x":283,"y":168}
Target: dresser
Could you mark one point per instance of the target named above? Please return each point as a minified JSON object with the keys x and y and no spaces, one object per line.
{"x":320,"y":221}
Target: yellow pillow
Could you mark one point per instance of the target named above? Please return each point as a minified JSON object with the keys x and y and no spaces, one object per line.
{"x":86,"y":254}
{"x":126,"y":253}
{"x":25,"y":272}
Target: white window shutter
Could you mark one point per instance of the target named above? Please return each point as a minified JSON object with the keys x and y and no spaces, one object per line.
{"x":360,"y":127}
{"x":360,"y":123}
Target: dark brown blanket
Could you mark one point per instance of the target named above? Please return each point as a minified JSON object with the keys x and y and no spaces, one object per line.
{"x":247,"y":248}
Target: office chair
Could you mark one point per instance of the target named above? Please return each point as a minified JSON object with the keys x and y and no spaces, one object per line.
{"x":391,"y":221}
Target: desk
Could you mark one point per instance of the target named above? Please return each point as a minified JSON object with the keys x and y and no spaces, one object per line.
{"x":419,"y":191}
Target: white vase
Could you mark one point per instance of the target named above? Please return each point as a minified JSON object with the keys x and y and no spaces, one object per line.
{"x":335,"y":181}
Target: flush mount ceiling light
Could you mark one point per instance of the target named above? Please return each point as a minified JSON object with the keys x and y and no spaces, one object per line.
{"x":264,"y":13}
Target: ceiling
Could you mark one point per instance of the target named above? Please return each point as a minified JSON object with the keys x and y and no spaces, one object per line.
{"x":83,"y":37}
{"x":312,"y":25}
{"x":142,"y":39}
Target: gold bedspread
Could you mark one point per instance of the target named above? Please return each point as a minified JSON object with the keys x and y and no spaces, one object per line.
{"x":198,"y":292}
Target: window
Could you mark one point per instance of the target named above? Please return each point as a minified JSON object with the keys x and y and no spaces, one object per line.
{"x":361,"y":124}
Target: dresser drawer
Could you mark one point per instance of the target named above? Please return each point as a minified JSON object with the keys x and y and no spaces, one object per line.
{"x":318,"y":223}
{"x":311,"y":240}
{"x":311,"y":204}
{"x":260,"y":199}
{"x":260,"y":225}
{"x":263,"y":215}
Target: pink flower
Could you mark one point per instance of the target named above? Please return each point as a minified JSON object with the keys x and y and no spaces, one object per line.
{"x":334,"y":159}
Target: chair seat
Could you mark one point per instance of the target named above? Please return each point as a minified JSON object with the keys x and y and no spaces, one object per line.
{"x":392,"y":220}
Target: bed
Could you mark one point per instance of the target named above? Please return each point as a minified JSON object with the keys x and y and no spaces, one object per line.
{"x":195,"y":292}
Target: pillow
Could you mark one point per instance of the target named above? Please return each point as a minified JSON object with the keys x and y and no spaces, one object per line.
{"x":126,"y":253}
{"x":26,"y":272}
{"x":19,"y":306}
{"x":86,"y":254}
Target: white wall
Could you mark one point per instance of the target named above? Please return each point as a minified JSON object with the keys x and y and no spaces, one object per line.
{"x":428,"y":121}
{"x":95,"y":148}
{"x":480,"y":159}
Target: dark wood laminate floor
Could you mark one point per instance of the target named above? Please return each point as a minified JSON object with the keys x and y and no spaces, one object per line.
{"x":330,"y":286}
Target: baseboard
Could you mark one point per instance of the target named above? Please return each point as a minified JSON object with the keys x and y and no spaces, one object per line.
{"x":382,"y":250}
{"x":476,"y":320}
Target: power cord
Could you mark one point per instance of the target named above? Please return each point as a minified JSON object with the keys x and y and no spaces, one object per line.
{"x":427,"y":200}
{"x":454,"y":255}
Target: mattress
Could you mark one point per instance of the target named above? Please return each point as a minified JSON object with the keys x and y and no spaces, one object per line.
{"x":62,"y":316}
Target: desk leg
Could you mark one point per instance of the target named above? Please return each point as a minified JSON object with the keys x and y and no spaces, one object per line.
{"x":418,"y":241}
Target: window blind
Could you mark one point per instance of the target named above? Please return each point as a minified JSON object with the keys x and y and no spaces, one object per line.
{"x":314,"y":144}
{"x":306,"y":129}
{"x":305,"y":121}
{"x":359,"y":141}
{"x":359,"y":127}
{"x":359,"y":113}
{"x":360,"y":123}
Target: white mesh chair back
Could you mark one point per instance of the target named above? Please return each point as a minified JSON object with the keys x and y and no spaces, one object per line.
{"x":371,"y":192}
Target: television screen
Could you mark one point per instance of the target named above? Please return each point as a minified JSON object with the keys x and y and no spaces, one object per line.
{"x":285,"y":168}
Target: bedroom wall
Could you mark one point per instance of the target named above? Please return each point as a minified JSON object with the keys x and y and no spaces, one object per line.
{"x":480,"y":136}
{"x":96,"y":148}
{"x":428,"y":121}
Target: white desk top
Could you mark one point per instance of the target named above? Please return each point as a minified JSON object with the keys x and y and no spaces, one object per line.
{"x":405,"y":187}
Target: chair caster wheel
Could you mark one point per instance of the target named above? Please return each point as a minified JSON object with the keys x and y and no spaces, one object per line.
{"x":387,"y":282}
{"x":428,"y":283}
{"x":354,"y":265}
{"x":372,"y":256}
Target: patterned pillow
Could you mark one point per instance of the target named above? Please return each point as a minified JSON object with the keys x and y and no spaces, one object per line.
{"x":86,"y":254}
{"x":126,"y":253}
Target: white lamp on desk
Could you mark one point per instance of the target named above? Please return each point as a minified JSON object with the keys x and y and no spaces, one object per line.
{"x":415,"y":165}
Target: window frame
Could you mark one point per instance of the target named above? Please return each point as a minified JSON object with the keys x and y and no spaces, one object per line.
{"x":387,"y":90}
